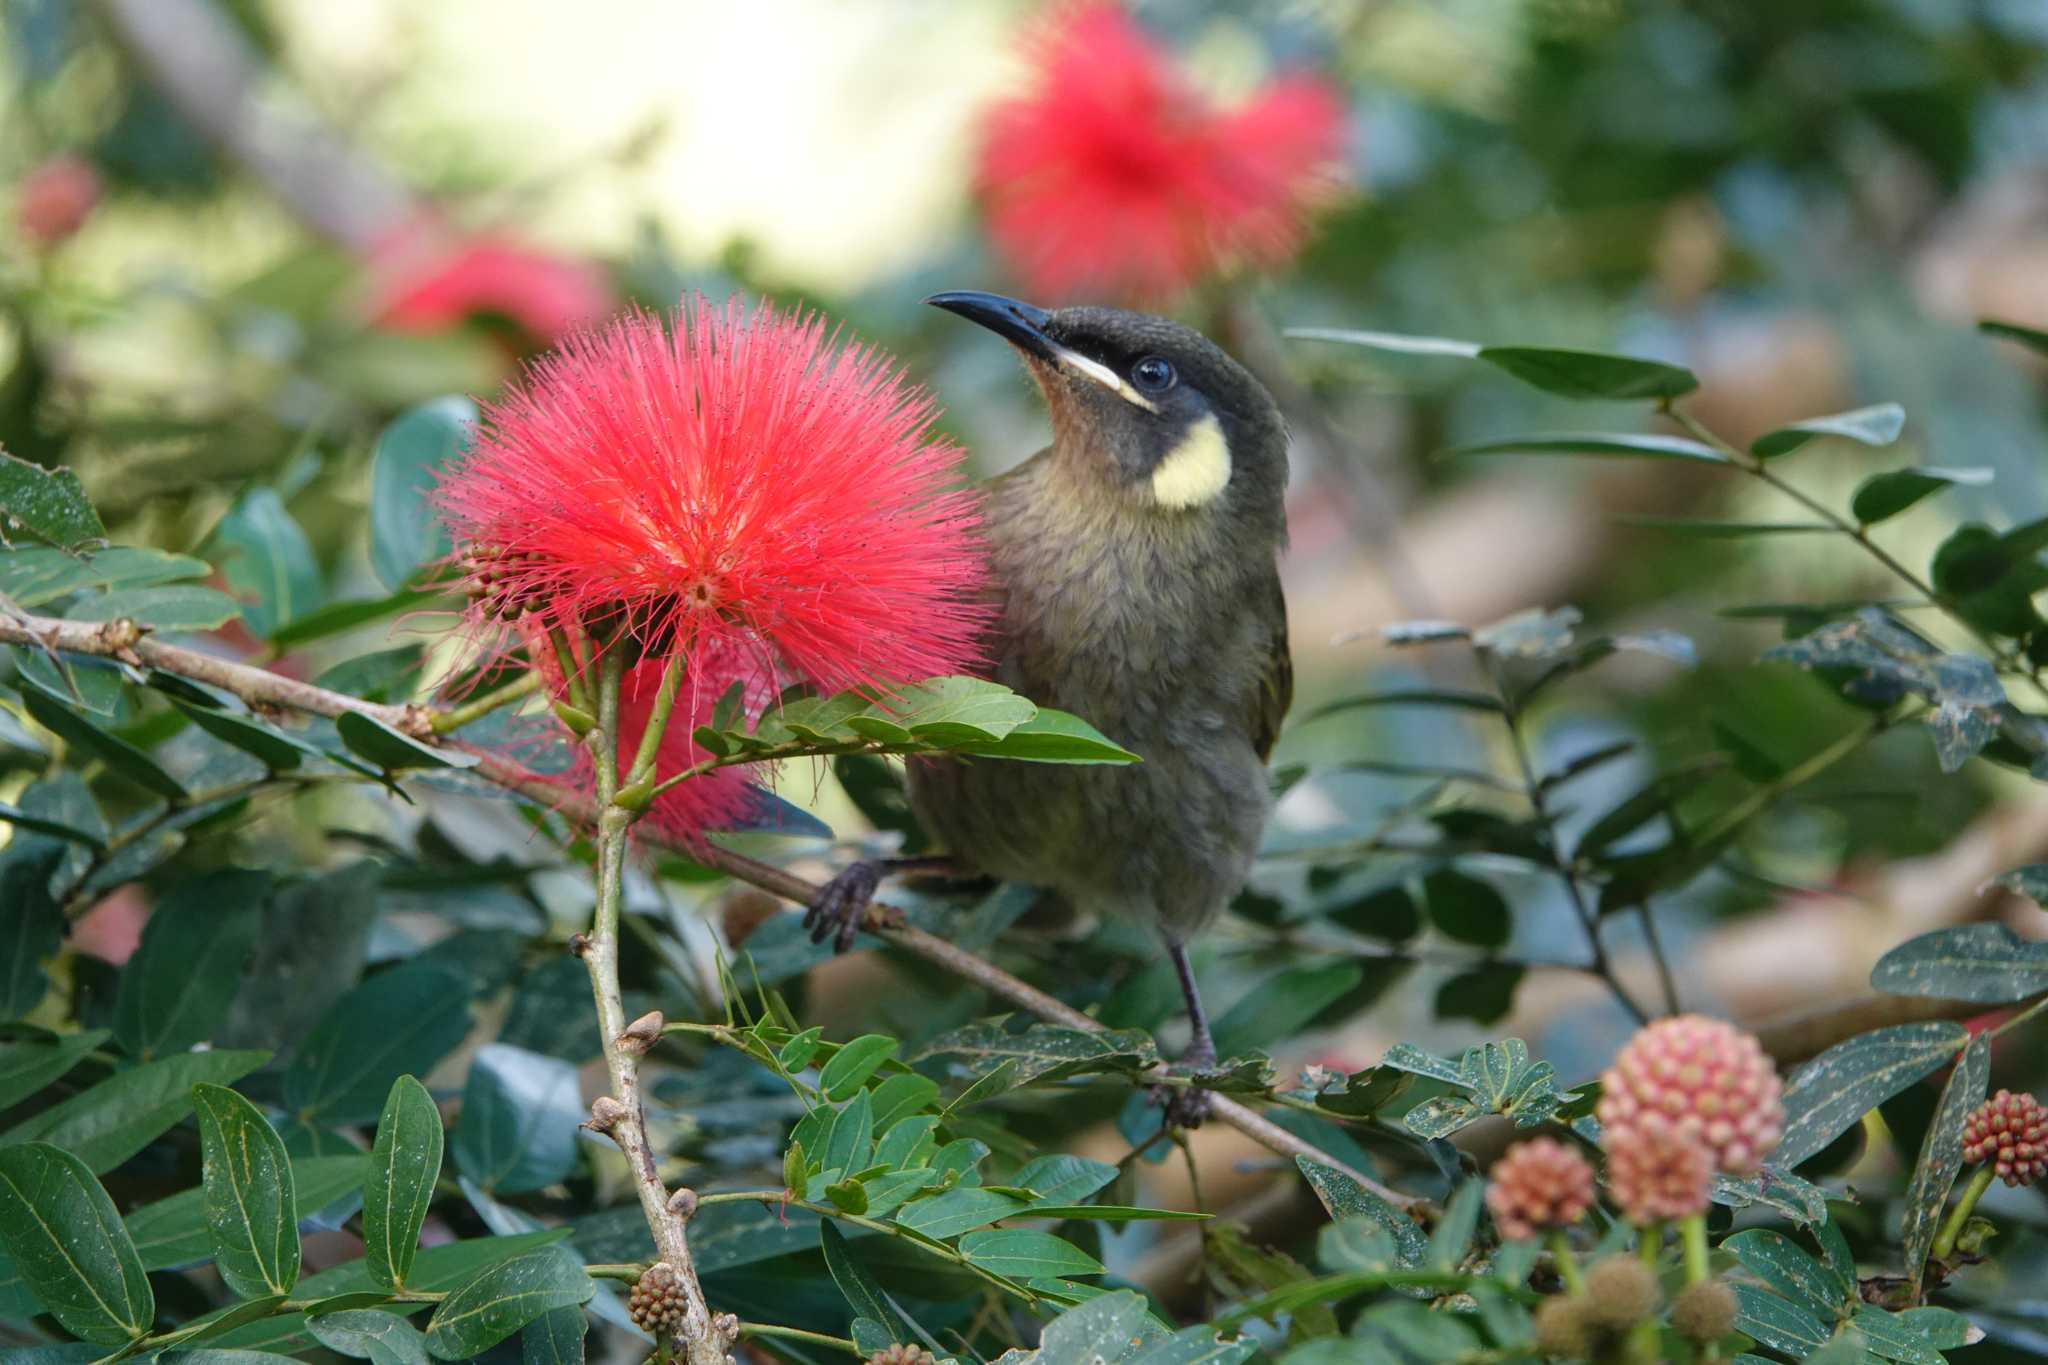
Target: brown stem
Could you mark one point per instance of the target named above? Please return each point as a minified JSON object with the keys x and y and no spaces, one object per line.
{"x":623,"y":1120}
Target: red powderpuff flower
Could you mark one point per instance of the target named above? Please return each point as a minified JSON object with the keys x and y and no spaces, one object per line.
{"x":55,"y":199}
{"x":1656,"y":1173}
{"x":425,"y":278}
{"x":1113,"y":175}
{"x":736,"y":487}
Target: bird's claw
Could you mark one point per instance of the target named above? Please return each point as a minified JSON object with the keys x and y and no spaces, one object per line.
{"x":842,"y":905}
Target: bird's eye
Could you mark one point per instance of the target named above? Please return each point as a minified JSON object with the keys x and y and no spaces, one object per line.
{"x":1154,"y":374}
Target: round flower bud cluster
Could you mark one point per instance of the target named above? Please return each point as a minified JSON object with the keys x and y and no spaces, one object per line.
{"x":656,"y":1303}
{"x":900,"y":1354}
{"x":2010,"y":1131}
{"x":1655,"y":1173}
{"x":1699,"y":1079}
{"x":1540,"y":1184}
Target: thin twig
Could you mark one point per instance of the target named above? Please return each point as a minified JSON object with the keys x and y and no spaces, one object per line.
{"x":1546,"y":833}
{"x":702,"y":1337}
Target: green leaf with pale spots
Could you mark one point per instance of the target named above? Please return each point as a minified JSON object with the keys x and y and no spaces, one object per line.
{"x":62,"y":1232}
{"x":1830,"y":1094}
{"x":251,"y":1214}
{"x":1984,"y":963}
{"x":49,"y":504}
{"x":504,"y":1297}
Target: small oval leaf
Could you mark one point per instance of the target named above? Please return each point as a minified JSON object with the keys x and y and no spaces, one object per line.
{"x":404,"y":1166}
{"x":251,"y":1215}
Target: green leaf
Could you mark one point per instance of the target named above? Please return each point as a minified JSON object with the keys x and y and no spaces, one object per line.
{"x":1941,"y":1155}
{"x":958,"y":1211}
{"x":520,"y":1112}
{"x":250,"y":1211}
{"x":1599,"y":443}
{"x":503,"y":1298}
{"x":1466,"y":909}
{"x":336,"y":617}
{"x":1023,"y":1255}
{"x":1389,"y":341}
{"x":63,"y":1234}
{"x":1887,"y":1335}
{"x":851,"y":1140}
{"x":554,"y":1338}
{"x":117,"y":1118}
{"x":1778,"y":1261}
{"x":2012,"y":331}
{"x":180,"y":984}
{"x":267,"y":560}
{"x":1114,"y":1213}
{"x":1344,"y":1197}
{"x":862,"y":1292}
{"x":1045,"y":1051}
{"x":393,"y":751}
{"x":1883,"y":496}
{"x":1878,"y":425}
{"x":49,"y":504}
{"x":405,"y":532}
{"x":177,"y":606}
{"x":173,"y":1232}
{"x":35,"y":574}
{"x":276,"y":749}
{"x":1831,"y":1093}
{"x":1283,"y":1005}
{"x":119,"y":754}
{"x":946,"y":711}
{"x":405,"y":1164}
{"x":1986,"y":963}
{"x":1590,"y":374}
{"x":28,"y":1065}
{"x":1452,"y":1237}
{"x":1058,"y":1179}
{"x":1708,"y":529}
{"x":1052,"y":737}
{"x":1466,"y":701}
{"x":32,"y":924}
{"x":851,"y":1066}
{"x":367,"y":1334}
{"x":1777,"y":1323}
{"x":900,"y":1096}
{"x":343,"y":1072}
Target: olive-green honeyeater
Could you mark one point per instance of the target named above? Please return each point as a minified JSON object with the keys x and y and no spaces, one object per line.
{"x":1134,"y":563}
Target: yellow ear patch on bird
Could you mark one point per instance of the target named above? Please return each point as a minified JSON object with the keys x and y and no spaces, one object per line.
{"x":1197,"y":469}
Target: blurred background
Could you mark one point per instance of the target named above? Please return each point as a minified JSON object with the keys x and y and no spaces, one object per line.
{"x":241,"y":236}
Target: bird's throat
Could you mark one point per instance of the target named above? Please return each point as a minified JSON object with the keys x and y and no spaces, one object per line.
{"x":1197,"y":470}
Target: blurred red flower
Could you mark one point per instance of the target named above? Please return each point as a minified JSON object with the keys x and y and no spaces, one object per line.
{"x":1112,"y":175}
{"x":735,"y":486}
{"x":55,"y":199}
{"x":424,"y":278}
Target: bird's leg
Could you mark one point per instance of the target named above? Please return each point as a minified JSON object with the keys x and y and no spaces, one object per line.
{"x":1187,"y":1106}
{"x":842,"y":903}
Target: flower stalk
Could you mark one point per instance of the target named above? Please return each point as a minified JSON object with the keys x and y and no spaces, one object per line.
{"x":701,"y":1337}
{"x":455,"y":717}
{"x":1959,"y":1217}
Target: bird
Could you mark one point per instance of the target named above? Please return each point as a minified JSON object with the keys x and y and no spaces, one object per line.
{"x":1135,"y":583}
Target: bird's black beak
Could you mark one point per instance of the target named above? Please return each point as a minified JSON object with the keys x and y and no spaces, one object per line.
{"x":1024,"y":326}
{"x":1015,"y":321}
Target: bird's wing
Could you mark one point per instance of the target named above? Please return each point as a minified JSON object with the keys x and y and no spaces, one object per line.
{"x":1270,"y":698}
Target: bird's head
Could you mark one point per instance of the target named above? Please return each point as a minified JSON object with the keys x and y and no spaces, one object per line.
{"x":1154,"y":410}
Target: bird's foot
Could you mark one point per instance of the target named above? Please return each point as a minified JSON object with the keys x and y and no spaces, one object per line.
{"x":842,"y":905}
{"x":1186,"y":1106}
